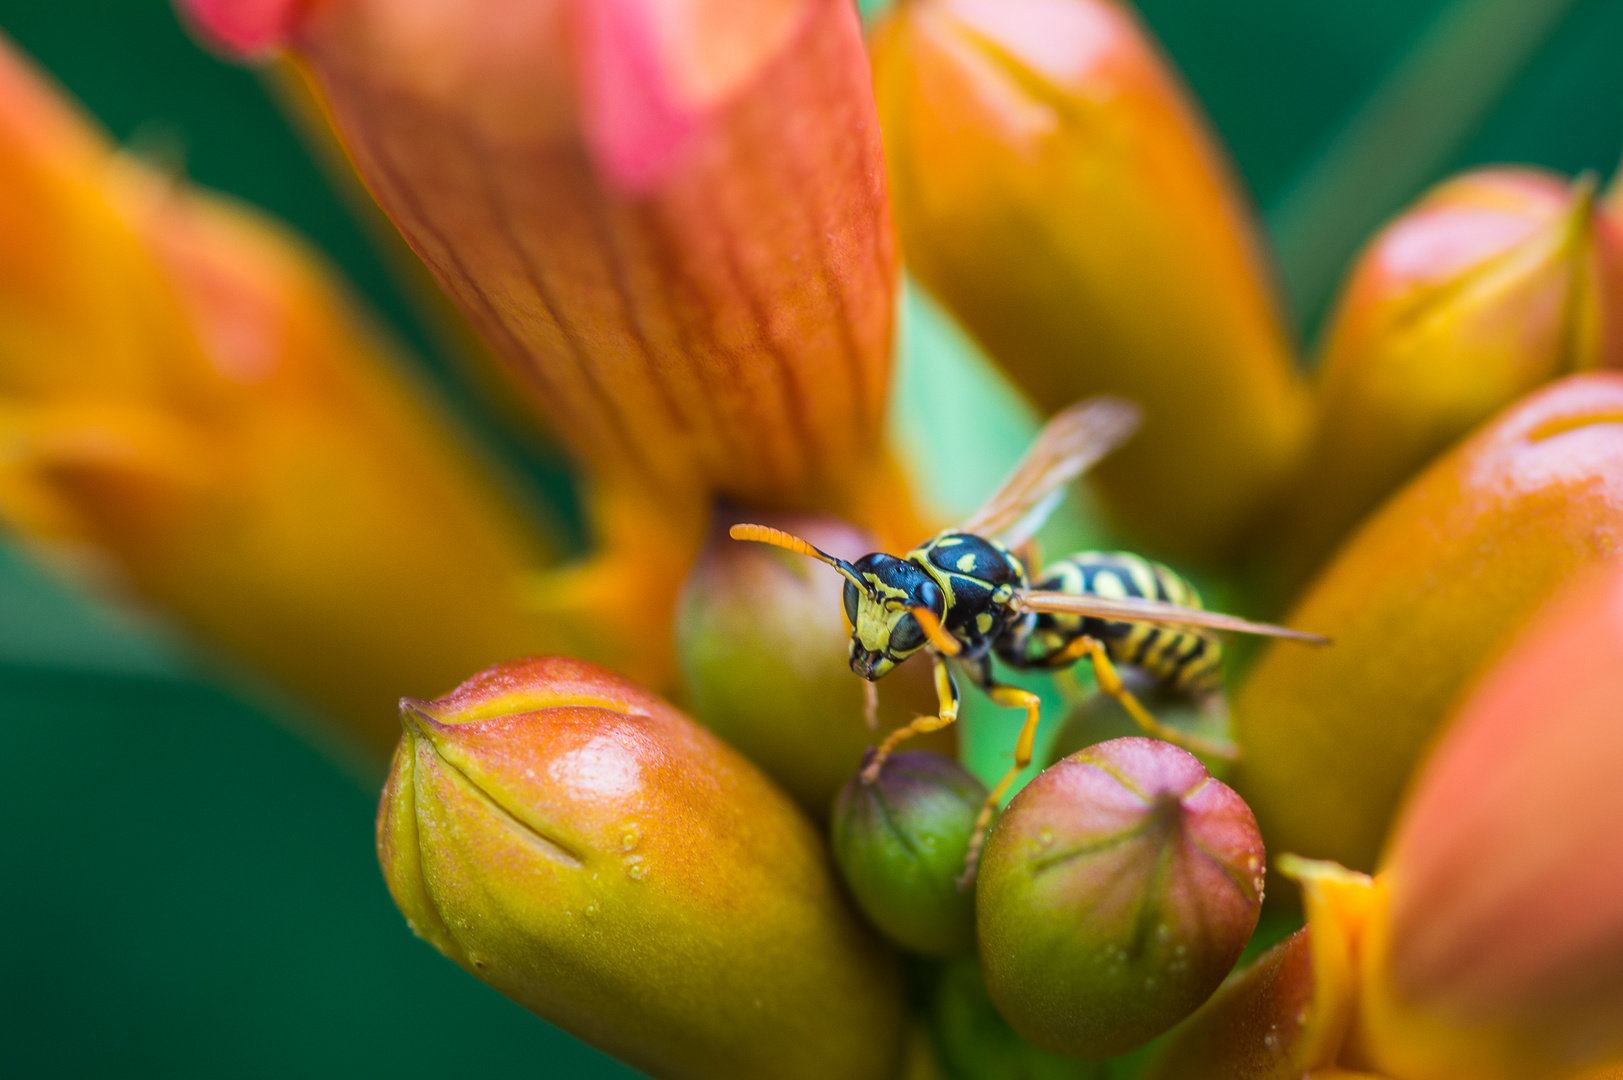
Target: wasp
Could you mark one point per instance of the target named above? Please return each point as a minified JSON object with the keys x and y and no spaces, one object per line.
{"x":964,"y":596}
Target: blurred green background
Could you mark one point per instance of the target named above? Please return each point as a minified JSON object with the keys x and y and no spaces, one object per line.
{"x":189,"y":889}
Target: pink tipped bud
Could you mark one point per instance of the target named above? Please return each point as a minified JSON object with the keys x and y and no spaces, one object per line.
{"x":1115,"y":893}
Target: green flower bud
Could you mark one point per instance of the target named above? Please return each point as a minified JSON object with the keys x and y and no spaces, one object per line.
{"x":900,"y":842}
{"x":762,"y":645}
{"x":1115,"y":893}
{"x":590,"y":852}
{"x":974,"y":1042}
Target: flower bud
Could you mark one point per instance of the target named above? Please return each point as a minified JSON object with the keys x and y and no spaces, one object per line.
{"x":668,"y":221}
{"x":1414,"y":603}
{"x":590,"y":852}
{"x":1506,"y":866}
{"x":1492,"y":284}
{"x":762,"y":644}
{"x":188,"y":398}
{"x":1115,"y":893}
{"x":973,"y":1040}
{"x":1057,"y":189}
{"x":900,"y":843}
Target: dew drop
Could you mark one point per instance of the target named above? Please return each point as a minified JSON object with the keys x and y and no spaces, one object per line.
{"x":1251,"y":864}
{"x":1045,"y":837}
{"x":630,"y":835}
{"x":1163,"y":932}
{"x":636,"y":867}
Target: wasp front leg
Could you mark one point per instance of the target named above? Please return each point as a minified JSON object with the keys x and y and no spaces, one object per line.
{"x":1011,"y":697}
{"x":946,"y":690}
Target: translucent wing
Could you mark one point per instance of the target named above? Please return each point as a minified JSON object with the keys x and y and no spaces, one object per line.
{"x":1068,"y":446}
{"x":1135,"y":609}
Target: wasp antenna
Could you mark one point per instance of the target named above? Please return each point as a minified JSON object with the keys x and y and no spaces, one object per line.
{"x":937,"y":634}
{"x":765,"y":534}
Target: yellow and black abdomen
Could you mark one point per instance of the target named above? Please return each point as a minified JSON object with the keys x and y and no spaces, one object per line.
{"x":1178,"y":660}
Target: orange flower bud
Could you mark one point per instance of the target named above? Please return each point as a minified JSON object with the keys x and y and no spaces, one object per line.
{"x":1115,"y":893}
{"x":590,"y":852}
{"x":669,"y":220}
{"x":762,"y":643}
{"x":186,"y":397}
{"x":1506,"y":867}
{"x":1057,"y":189}
{"x":1414,"y":603}
{"x":1492,"y":284}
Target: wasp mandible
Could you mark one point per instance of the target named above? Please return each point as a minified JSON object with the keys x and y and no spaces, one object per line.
{"x":964,"y":596}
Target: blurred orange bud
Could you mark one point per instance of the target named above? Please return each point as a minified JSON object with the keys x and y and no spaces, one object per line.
{"x":1414,"y":603}
{"x":1116,"y":891}
{"x":590,"y":852}
{"x":669,"y":220}
{"x":1493,"y":283}
{"x":1506,"y":867}
{"x":1057,"y":189}
{"x":762,"y":644}
{"x":188,"y":401}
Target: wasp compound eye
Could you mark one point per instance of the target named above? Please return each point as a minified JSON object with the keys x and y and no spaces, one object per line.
{"x":906,"y":635}
{"x":851,"y":598}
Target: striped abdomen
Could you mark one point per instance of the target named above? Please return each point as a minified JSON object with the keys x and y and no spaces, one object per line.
{"x":1177,"y":659}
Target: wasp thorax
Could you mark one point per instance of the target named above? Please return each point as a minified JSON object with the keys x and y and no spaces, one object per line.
{"x":883,"y":630}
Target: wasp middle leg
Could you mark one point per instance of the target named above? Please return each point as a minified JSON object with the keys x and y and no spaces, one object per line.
{"x":946,"y":691}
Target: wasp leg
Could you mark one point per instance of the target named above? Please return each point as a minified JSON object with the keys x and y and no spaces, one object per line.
{"x":1110,"y":682}
{"x":1010,"y":697}
{"x":946,"y":692}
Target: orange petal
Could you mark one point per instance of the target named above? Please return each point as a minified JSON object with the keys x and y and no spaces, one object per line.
{"x":1415,"y":602}
{"x":1489,"y":286}
{"x":1058,"y":190}
{"x":1507,"y":864}
{"x":669,"y":220}
{"x":185,"y":394}
{"x":593,"y":854}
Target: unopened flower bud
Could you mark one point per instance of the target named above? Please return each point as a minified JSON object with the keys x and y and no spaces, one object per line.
{"x":900,"y":843}
{"x":1116,"y":891}
{"x":1492,"y":284}
{"x":590,"y":852}
{"x":762,"y":646}
{"x":1056,"y":187}
{"x":1416,"y":602}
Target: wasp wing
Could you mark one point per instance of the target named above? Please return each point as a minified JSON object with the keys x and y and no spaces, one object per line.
{"x":1068,"y":446}
{"x":1137,"y":609}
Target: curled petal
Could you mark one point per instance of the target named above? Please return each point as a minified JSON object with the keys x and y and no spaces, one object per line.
{"x":186,"y":398}
{"x":1415,"y":602}
{"x":1492,"y":284}
{"x":1057,"y":189}
{"x":244,"y":28}
{"x":589,"y":851}
{"x":1290,"y":1012}
{"x":669,"y":220}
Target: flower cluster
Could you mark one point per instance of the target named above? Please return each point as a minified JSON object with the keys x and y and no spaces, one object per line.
{"x":679,"y":228}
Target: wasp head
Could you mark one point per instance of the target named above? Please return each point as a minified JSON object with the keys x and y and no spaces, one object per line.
{"x":883,"y":630}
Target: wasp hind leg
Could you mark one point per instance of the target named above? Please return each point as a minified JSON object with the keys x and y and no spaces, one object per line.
{"x":1104,"y":672}
{"x":946,"y":691}
{"x":1010,"y":697}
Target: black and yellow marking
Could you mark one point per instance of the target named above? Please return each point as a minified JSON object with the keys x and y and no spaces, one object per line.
{"x":1180,"y":661}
